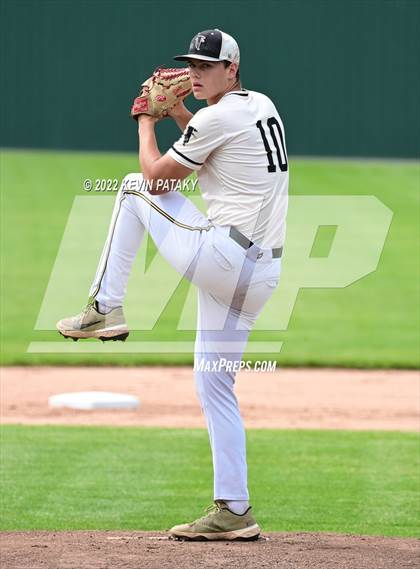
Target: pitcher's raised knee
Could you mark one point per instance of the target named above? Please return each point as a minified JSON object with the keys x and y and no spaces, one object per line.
{"x":133,"y":182}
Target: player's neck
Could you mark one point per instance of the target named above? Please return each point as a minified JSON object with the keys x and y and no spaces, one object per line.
{"x":236,"y":86}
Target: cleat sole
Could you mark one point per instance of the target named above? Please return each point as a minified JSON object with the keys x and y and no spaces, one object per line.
{"x":203,"y":538}
{"x":251,"y":533}
{"x":114,"y":335}
{"x":121,"y":337}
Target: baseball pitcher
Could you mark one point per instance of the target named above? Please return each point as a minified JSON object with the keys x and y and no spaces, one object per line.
{"x":233,"y":255}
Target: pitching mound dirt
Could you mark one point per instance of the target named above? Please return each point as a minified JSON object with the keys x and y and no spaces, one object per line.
{"x":140,"y":550}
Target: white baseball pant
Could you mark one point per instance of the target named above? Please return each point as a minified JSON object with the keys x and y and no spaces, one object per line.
{"x":233,"y":286}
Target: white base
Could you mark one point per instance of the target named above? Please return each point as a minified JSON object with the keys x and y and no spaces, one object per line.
{"x":88,"y":400}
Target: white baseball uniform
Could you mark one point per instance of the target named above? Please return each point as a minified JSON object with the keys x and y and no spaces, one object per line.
{"x":233,"y":255}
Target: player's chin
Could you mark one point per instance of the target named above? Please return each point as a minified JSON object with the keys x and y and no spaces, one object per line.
{"x":199,"y":95}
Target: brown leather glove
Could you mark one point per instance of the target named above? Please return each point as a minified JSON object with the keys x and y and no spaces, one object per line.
{"x":162,"y":91}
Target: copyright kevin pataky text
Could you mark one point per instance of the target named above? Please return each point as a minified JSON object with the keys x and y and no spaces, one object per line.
{"x":113,"y":185}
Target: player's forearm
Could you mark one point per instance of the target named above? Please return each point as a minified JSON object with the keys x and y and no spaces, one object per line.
{"x":148,"y":148}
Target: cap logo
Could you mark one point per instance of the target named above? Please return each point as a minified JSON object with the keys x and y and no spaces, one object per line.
{"x":198,"y":40}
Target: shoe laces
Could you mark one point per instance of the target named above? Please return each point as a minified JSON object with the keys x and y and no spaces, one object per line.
{"x":210,"y":511}
{"x":213,"y":509}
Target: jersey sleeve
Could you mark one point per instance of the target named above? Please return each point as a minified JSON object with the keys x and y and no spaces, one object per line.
{"x":202,"y":135}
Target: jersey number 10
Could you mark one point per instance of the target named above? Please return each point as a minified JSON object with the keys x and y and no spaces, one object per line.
{"x":280,"y":149}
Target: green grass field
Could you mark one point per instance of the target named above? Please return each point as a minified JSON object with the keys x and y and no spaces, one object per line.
{"x":145,"y":478}
{"x":371,"y":323}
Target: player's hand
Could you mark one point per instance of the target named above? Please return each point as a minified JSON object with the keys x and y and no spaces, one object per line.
{"x":178,"y":110}
{"x":180,"y":114}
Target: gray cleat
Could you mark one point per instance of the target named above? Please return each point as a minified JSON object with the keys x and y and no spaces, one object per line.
{"x":219,"y":524}
{"x":93,"y":324}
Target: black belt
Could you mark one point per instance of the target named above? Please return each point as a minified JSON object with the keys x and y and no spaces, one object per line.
{"x":246,"y":243}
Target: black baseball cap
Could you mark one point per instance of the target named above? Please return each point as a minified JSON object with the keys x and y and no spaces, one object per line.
{"x":212,"y":45}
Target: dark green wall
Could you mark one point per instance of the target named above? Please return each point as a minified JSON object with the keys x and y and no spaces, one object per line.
{"x":343,"y":74}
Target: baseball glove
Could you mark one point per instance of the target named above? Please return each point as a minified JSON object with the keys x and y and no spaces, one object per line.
{"x":162,"y":91}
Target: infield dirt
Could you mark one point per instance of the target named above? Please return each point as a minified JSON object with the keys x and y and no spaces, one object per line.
{"x":288,"y":398}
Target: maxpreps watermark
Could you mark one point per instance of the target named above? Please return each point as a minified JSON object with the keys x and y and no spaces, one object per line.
{"x":204,"y":365}
{"x":113,"y":184}
{"x":361,"y":225}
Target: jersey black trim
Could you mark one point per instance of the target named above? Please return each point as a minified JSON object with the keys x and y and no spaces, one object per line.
{"x":244,"y":93}
{"x":186,"y":157}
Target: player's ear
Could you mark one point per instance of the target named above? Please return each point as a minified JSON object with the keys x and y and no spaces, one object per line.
{"x":233,"y":68}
